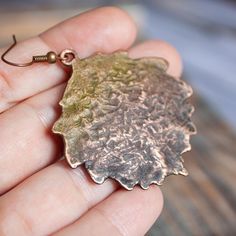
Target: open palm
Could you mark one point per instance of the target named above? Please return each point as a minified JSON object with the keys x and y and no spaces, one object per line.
{"x":41,"y":194}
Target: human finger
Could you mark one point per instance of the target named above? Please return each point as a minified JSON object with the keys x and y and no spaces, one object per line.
{"x":104,"y":29}
{"x":122,"y":213}
{"x":162,"y":49}
{"x":49,"y":200}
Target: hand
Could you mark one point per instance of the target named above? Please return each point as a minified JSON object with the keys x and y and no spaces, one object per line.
{"x":40,"y":194}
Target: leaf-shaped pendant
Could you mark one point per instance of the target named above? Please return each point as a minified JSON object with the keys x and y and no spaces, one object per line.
{"x":126,"y":119}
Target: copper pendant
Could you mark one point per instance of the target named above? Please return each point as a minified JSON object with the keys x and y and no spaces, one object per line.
{"x":125,"y":119}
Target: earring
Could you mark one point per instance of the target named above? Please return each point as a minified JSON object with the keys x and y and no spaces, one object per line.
{"x":122,"y":118}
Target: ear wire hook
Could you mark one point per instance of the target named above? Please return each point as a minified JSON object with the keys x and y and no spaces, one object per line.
{"x":50,"y":57}
{"x":65,"y":57}
{"x":13,"y":63}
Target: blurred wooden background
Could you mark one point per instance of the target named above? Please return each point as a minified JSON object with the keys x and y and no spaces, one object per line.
{"x":204,"y":203}
{"x":204,"y":32}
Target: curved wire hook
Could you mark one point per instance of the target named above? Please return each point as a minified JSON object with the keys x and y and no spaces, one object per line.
{"x":66,"y":57}
{"x":13,"y":63}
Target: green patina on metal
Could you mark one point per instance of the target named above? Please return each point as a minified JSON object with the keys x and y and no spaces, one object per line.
{"x":126,"y":119}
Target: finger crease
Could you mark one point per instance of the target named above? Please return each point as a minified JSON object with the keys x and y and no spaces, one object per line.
{"x":107,"y":219}
{"x":4,"y":86}
{"x":26,"y":225}
{"x":61,"y":30}
{"x":39,"y":115}
{"x":79,"y":189}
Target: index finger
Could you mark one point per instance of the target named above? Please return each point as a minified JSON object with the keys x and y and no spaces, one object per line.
{"x":104,"y":29}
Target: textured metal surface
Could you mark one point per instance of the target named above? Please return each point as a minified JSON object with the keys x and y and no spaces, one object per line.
{"x":125,"y":119}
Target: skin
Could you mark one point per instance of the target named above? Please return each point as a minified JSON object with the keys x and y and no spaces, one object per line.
{"x":40,"y":194}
